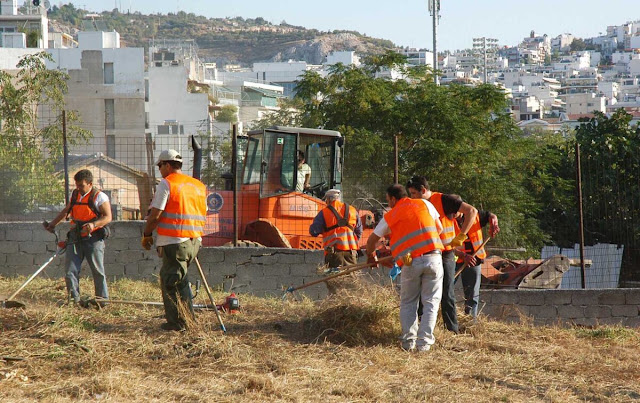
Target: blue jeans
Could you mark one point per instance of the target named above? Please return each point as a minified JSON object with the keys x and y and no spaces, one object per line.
{"x":471,"y":277}
{"x":420,"y":281}
{"x":449,"y":313}
{"x":93,"y":251}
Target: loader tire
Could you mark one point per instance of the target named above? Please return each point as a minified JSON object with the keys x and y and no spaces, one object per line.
{"x":244,"y":244}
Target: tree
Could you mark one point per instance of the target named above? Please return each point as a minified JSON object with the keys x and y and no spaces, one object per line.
{"x":31,"y":134}
{"x":611,"y":184}
{"x":228,"y":113}
{"x":578,"y":45}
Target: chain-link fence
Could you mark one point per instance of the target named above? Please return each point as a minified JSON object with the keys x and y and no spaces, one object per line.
{"x":276,"y":202}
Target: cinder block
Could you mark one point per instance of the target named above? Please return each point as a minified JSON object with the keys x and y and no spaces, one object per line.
{"x":314,"y":257}
{"x":611,"y":297}
{"x":122,"y":244}
{"x":131,"y":229}
{"x":131,"y":269}
{"x":210,"y":255}
{"x":585,"y":297}
{"x":273,"y":284}
{"x":129,"y":256}
{"x":293,"y":257}
{"x":249,"y":271}
{"x":531,"y":297}
{"x":18,"y":259}
{"x":632,"y":296}
{"x":264,"y":258}
{"x":632,"y":322}
{"x":237,"y":255}
{"x":597,"y":311}
{"x":557,"y":297}
{"x":279,"y":270}
{"x":23,"y":270}
{"x":41,"y":235}
{"x":543,"y":311}
{"x":16,"y":234}
{"x":40,"y":259}
{"x":109,"y":257}
{"x":625,"y":310}
{"x":32,"y":247}
{"x":570,"y":311}
{"x":506,"y":297}
{"x":114,"y":270}
{"x":9,"y":247}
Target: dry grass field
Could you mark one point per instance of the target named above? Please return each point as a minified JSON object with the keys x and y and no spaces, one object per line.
{"x":344,"y":348}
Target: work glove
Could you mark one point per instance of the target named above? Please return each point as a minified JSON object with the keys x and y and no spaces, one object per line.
{"x":147,"y":242}
{"x":458,"y":240}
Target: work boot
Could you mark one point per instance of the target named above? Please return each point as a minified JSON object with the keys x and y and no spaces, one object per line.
{"x":408,"y":345}
{"x":424,"y":348}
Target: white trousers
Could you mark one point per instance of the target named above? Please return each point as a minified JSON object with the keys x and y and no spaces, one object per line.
{"x":421,"y":280}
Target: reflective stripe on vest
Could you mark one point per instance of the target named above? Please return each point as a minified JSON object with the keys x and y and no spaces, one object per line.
{"x":184,"y":215}
{"x":340,"y":238}
{"x":448,"y":226}
{"x":81,"y":210}
{"x":413,"y":230}
{"x":475,"y":239}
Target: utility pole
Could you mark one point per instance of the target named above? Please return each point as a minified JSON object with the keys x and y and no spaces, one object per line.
{"x":485,"y":47}
{"x":434,"y":11}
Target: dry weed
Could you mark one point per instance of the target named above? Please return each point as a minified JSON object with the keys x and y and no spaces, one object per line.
{"x":341,"y":349}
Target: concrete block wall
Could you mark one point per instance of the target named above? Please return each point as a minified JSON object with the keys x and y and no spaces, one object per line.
{"x":260,"y":271}
{"x":267,"y":271}
{"x":590,"y":307}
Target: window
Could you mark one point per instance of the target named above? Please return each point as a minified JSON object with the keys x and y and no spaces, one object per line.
{"x":108,"y":73}
{"x":109,"y":114}
{"x":111,"y":146}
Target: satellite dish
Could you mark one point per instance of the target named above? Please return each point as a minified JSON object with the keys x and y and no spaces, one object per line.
{"x":47,"y":5}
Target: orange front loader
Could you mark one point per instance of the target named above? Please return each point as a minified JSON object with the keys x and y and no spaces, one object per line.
{"x":273,"y":208}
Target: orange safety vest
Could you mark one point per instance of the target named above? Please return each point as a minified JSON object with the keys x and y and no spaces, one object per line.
{"x":83,"y":209}
{"x":474,"y":242}
{"x":448,"y":225}
{"x":185,"y":213}
{"x":413,"y":230}
{"x":340,"y":220}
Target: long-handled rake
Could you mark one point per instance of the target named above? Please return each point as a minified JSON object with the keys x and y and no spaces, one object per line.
{"x":345,"y":270}
{"x":213,"y":303}
{"x":464,"y":266}
{"x":9,"y":302}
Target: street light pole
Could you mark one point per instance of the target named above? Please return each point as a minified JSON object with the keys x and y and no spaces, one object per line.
{"x":434,"y":11}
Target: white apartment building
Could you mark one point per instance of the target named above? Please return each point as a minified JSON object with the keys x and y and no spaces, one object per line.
{"x":609,"y":89}
{"x":417,"y":57}
{"x":562,"y":43}
{"x":174,"y":113}
{"x":577,"y":61}
{"x":584,"y":103}
{"x":14,"y":24}
{"x":346,"y":57}
{"x":106,"y":87}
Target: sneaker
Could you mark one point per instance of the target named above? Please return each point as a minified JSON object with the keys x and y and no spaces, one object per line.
{"x":424,"y":348}
{"x":172,"y":326}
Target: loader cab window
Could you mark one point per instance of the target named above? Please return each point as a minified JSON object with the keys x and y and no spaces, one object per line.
{"x":253,"y":160}
{"x":278,"y":163}
{"x":320,"y":154}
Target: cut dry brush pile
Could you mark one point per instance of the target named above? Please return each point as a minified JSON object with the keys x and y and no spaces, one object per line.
{"x":344,"y":348}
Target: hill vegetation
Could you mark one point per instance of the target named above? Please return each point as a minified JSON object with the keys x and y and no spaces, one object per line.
{"x":224,"y":40}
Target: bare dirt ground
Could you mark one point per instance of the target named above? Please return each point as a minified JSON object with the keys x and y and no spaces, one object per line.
{"x":344,"y":348}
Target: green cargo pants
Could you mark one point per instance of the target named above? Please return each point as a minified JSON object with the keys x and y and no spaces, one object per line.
{"x":174,"y":282}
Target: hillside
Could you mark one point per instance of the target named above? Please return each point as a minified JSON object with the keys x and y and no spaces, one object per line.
{"x":225,"y":40}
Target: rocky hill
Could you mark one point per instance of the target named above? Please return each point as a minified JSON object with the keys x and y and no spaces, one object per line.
{"x":223,"y":40}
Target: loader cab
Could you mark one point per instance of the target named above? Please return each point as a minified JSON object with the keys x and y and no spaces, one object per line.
{"x":271,"y":161}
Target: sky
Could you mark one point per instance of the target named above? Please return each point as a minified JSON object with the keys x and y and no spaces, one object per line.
{"x":407,"y":22}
